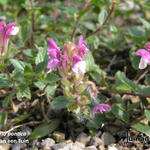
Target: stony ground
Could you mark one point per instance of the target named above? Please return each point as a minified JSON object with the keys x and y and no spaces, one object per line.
{"x":83,"y":141}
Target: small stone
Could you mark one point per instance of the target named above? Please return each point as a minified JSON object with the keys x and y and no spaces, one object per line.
{"x":59,"y":146}
{"x":114,"y":147}
{"x":47,"y":143}
{"x":27,"y":130}
{"x":58,"y":136}
{"x":23,"y":146}
{"x":90,"y":148}
{"x":101,"y":147}
{"x":72,"y":146}
{"x":80,"y":145}
{"x":107,"y":138}
{"x":83,"y":138}
{"x":68,"y":141}
{"x":16,"y":146}
{"x":96,"y":141}
{"x":4,"y":146}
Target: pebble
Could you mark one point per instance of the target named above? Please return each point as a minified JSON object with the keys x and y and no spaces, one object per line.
{"x":90,"y":148}
{"x":83,"y":138}
{"x":96,"y":141}
{"x":4,"y":146}
{"x":16,"y":146}
{"x":115,"y":147}
{"x":80,"y":145}
{"x":47,"y":143}
{"x":101,"y":147}
{"x":59,"y":146}
{"x":64,"y":146}
{"x":58,"y":136}
{"x":107,"y":138}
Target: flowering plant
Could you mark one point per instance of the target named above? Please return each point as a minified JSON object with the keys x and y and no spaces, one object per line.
{"x":72,"y":68}
{"x":5,"y":32}
{"x":93,"y":81}
{"x":145,"y":56}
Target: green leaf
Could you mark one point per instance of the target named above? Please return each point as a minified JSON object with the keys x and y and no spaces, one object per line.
{"x":5,"y":81}
{"x":4,"y":2}
{"x":20,"y":118}
{"x":119,"y":111}
{"x":133,"y":106}
{"x":19,"y":65}
{"x":44,"y":129}
{"x":29,"y":75}
{"x":96,"y":73}
{"x":3,"y":118}
{"x":123,"y":83}
{"x":88,"y":25}
{"x":148,"y":78}
{"x":6,"y":101}
{"x":142,"y":128}
{"x":90,"y":65}
{"x":102,"y":16}
{"x":41,"y":66}
{"x":145,"y":23}
{"x":70,"y":9}
{"x":142,"y":89}
{"x":134,"y":59}
{"x":40,"y":85}
{"x":23,"y":91}
{"x":50,"y":90}
{"x":147,"y":114}
{"x":52,"y":78}
{"x":146,"y":4}
{"x":60,"y":102}
{"x":116,"y":1}
{"x":41,"y":56}
{"x":137,"y":32}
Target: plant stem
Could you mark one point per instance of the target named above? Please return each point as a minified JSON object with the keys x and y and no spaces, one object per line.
{"x":33,"y":22}
{"x":79,"y":17}
{"x":110,"y":92}
{"x":106,"y":20}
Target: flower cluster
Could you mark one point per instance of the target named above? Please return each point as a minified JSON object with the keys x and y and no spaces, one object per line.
{"x":72,"y":67}
{"x":145,"y":56}
{"x":5,"y":32}
{"x":100,"y":108}
{"x":71,"y":56}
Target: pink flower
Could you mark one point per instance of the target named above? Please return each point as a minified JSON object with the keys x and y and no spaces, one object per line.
{"x":79,"y":68}
{"x":64,"y":61}
{"x":75,"y":60}
{"x":100,"y":108}
{"x":67,"y":2}
{"x":5,"y":32}
{"x":145,"y":56}
{"x":54,"y":52}
{"x":52,"y":44}
{"x":78,"y":65}
{"x":82,"y":49}
{"x":53,"y":63}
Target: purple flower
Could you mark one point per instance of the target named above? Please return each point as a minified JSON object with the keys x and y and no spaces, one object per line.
{"x":5,"y":32}
{"x":82,"y":49}
{"x":100,"y":108}
{"x":54,"y":52}
{"x":52,"y":44}
{"x":75,"y":60}
{"x":145,"y":56}
{"x":148,"y":47}
{"x":53,"y":63}
{"x":64,"y":61}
